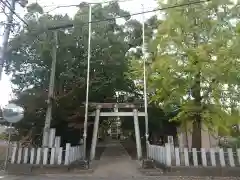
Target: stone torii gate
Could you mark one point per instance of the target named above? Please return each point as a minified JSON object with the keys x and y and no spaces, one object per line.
{"x":135,"y":114}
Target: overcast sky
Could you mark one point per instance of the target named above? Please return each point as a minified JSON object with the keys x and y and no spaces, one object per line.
{"x":133,"y":6}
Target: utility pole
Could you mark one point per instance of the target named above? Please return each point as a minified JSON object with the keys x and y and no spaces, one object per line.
{"x":48,"y":118}
{"x":144,"y":76}
{"x":6,"y":35}
{"x":88,"y":74}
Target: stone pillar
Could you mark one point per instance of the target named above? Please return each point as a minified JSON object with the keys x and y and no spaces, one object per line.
{"x":180,"y":139}
{"x":95,"y":134}
{"x":171,"y":143}
{"x":208,"y":140}
{"x":52,"y":135}
{"x":137,"y":134}
{"x":57,"y":144}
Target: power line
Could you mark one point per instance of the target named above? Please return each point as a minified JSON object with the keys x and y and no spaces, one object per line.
{"x":37,"y":32}
{"x":110,"y":19}
{"x":63,"y":6}
{"x":6,"y":13}
{"x":77,"y":5}
{"x":13,"y":11}
{"x":3,"y":8}
{"x":111,"y":1}
{"x":130,"y":15}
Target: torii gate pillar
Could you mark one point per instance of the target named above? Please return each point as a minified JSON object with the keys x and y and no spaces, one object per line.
{"x":95,"y":133}
{"x":137,"y":134}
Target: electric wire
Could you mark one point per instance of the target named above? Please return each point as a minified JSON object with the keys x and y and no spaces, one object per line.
{"x":37,"y":32}
{"x":111,"y":19}
{"x":7,"y":14}
{"x":14,"y":12}
{"x":133,"y":14}
{"x":77,"y":5}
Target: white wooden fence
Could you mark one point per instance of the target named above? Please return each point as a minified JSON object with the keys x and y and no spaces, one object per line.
{"x":46,"y":156}
{"x":171,"y":156}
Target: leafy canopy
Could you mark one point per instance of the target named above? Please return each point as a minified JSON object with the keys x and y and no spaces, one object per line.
{"x":195,"y":63}
{"x":30,"y":58}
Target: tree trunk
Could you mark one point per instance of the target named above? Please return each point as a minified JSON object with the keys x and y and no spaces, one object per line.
{"x":196,"y":93}
{"x":197,"y":117}
{"x":197,"y":135}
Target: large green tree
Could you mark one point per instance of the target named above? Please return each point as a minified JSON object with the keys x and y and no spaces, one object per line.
{"x":195,"y":64}
{"x":30,"y":60}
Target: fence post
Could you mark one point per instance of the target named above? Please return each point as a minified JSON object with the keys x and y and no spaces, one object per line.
{"x":238,"y":155}
{"x":77,"y":152}
{"x":74,"y":154}
{"x":162,"y":155}
{"x":158,"y":153}
{"x":168,"y":154}
{"x":70,"y":155}
{"x":59,"y":160}
{"x":67,"y":154}
{"x":186,"y":157}
{"x":32,"y":155}
{"x":38,"y":155}
{"x":82,"y":150}
{"x":213,"y":157}
{"x":14,"y":153}
{"x":230,"y":156}
{"x":45,"y":156}
{"x":204,"y":158}
{"x":177,"y":156}
{"x":222,"y":158}
{"x":53,"y":153}
{"x":171,"y":142}
{"x":154,"y":151}
{"x":195,"y":156}
{"x":57,"y":143}
{"x":79,"y":155}
{"x":25,"y":158}
{"x":19,"y":156}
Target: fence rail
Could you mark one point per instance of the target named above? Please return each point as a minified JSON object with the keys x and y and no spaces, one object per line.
{"x":174,"y":156}
{"x":46,"y":156}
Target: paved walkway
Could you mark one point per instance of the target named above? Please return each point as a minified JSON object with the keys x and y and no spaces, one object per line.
{"x":116,"y":162}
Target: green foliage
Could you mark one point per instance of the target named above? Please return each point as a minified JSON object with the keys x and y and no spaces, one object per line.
{"x":195,"y":62}
{"x":3,"y":136}
{"x":30,"y":58}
